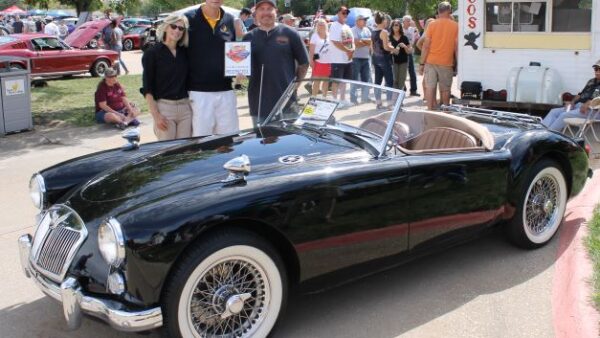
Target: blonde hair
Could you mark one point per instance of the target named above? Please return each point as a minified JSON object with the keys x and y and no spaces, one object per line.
{"x":321,"y":21}
{"x":171,"y":20}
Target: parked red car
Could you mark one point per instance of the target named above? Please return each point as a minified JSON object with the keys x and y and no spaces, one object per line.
{"x":88,"y":35}
{"x":134,"y":37}
{"x":52,"y":57}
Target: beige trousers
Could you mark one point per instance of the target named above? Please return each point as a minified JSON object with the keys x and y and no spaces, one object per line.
{"x":179,"y":116}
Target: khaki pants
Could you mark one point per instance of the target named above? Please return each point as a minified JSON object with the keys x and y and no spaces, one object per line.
{"x":436,"y":74}
{"x":179,"y":116}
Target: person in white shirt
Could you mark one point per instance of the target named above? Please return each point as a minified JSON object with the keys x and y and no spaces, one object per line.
{"x":51,"y":27}
{"x":340,"y":55}
{"x":318,"y":56}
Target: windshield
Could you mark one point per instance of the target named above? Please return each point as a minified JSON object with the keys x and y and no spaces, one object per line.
{"x":363,"y":114}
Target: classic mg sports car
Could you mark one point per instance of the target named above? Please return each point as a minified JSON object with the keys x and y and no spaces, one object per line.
{"x":206,"y":236}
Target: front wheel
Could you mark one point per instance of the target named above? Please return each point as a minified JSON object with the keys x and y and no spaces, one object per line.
{"x":233,"y":284}
{"x":542,"y":206}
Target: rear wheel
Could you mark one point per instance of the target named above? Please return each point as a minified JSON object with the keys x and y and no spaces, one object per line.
{"x":99,"y":67}
{"x":127,"y":44}
{"x":541,"y":207}
{"x":232,"y":285}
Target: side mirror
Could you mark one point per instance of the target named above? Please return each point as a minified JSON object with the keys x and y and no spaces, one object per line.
{"x":132,"y":135}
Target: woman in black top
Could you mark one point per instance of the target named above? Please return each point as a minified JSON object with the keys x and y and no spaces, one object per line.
{"x":382,"y":61}
{"x":400,"y":54}
{"x":164,"y":78}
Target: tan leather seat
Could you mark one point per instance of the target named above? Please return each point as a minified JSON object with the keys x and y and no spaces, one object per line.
{"x":442,"y":138}
{"x":378,"y":127}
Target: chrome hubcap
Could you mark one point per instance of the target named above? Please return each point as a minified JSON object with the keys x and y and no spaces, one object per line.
{"x":230,"y":300}
{"x":541,"y":204}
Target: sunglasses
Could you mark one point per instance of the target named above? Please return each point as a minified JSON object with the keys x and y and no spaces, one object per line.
{"x":345,"y":13}
{"x":596,"y":68}
{"x":181,"y":28}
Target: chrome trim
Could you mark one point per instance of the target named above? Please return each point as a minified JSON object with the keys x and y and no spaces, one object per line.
{"x":24,"y":250}
{"x":49,"y":222}
{"x":238,"y":167}
{"x":76,"y":302}
{"x":391,"y":122}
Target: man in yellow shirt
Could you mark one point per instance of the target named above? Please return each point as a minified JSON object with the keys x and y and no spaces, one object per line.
{"x":439,"y":55}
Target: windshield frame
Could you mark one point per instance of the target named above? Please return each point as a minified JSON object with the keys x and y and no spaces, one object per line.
{"x":295,"y":84}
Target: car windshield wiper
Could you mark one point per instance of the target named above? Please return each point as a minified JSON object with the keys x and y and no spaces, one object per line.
{"x":353,"y":133}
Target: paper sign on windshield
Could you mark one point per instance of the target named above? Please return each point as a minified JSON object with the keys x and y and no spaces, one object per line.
{"x":317,"y":111}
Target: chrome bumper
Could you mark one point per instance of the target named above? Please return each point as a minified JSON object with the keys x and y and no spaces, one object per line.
{"x":76,"y":303}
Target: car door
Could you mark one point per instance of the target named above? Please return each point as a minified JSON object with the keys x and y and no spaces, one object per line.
{"x":358,"y":214}
{"x":50,"y":56}
{"x":451,"y":194}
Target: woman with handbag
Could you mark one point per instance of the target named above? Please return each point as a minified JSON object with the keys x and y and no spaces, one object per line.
{"x":317,"y":54}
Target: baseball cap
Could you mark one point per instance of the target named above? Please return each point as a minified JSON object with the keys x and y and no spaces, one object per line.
{"x":110,"y":72}
{"x":288,"y":16}
{"x":597,"y":64}
{"x":361,"y":17}
{"x":270,"y":2}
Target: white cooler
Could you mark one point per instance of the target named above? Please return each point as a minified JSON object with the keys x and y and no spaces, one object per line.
{"x":534,"y":84}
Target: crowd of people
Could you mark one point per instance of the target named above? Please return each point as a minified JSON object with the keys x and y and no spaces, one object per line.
{"x":17,"y":24}
{"x":191,"y":46}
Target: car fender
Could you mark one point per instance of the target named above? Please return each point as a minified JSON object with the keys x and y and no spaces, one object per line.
{"x":530,"y":147}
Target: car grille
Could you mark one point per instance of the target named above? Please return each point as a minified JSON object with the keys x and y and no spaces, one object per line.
{"x":59,"y":235}
{"x":53,"y":254}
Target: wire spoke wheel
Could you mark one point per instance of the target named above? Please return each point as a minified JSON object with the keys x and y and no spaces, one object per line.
{"x":229,"y":299}
{"x":236,"y":291}
{"x":544,"y":205}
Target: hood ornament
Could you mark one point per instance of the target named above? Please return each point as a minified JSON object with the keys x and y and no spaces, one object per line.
{"x":238,"y":167}
{"x":132,"y":135}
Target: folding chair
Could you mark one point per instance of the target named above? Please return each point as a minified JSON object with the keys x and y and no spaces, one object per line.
{"x":578,"y":126}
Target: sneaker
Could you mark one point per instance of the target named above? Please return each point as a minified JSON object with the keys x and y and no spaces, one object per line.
{"x":414,"y":94}
{"x":133,"y":123}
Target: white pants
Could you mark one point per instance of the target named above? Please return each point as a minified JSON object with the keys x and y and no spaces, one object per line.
{"x":214,"y":113}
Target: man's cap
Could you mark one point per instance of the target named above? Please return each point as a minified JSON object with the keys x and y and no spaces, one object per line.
{"x":597,"y":64}
{"x":288,"y":16}
{"x":110,"y":72}
{"x":361,"y":17}
{"x":270,"y":2}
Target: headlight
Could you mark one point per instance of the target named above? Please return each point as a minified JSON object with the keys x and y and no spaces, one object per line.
{"x":111,"y":242}
{"x":37,"y":190}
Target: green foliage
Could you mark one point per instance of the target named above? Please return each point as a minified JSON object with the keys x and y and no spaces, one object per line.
{"x":593,"y":245}
{"x":7,"y":3}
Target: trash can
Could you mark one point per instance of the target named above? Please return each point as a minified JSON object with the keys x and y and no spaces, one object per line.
{"x":15,"y":99}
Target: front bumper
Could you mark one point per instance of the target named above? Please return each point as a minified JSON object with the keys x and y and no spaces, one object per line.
{"x":76,"y":302}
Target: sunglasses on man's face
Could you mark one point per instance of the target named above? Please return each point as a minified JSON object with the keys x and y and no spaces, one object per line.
{"x":596,"y":69}
{"x":181,"y":28}
{"x":345,"y":13}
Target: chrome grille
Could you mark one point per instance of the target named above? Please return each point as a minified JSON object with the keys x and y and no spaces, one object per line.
{"x":56,"y":248}
{"x":58,"y":236}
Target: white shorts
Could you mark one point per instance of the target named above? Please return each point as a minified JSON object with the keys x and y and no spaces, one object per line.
{"x":214,"y":113}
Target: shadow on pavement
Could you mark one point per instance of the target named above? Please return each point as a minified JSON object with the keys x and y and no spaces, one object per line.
{"x":393,"y":302}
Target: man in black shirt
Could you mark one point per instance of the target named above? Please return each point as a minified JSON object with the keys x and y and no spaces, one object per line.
{"x":276,"y":49}
{"x":578,"y":107}
{"x":17,"y":25}
{"x":212,"y":97}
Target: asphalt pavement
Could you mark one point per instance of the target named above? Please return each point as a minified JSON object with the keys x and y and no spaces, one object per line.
{"x":485,"y":288}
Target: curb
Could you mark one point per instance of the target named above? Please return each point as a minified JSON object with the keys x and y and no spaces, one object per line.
{"x":573,"y":312}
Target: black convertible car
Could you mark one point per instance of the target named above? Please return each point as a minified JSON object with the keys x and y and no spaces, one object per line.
{"x":206,"y":236}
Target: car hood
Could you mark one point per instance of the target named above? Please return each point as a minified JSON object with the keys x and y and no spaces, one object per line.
{"x":200,"y":162}
{"x":80,"y":37}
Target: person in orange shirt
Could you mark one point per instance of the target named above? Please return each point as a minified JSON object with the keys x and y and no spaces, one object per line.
{"x":439,"y":55}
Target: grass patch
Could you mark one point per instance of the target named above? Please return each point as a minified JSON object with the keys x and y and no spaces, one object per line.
{"x":72,"y":100}
{"x":593,"y":245}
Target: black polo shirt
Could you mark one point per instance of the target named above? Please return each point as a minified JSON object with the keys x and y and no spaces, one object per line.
{"x":206,"y":52}
{"x":278,"y":51}
{"x":164,"y":73}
